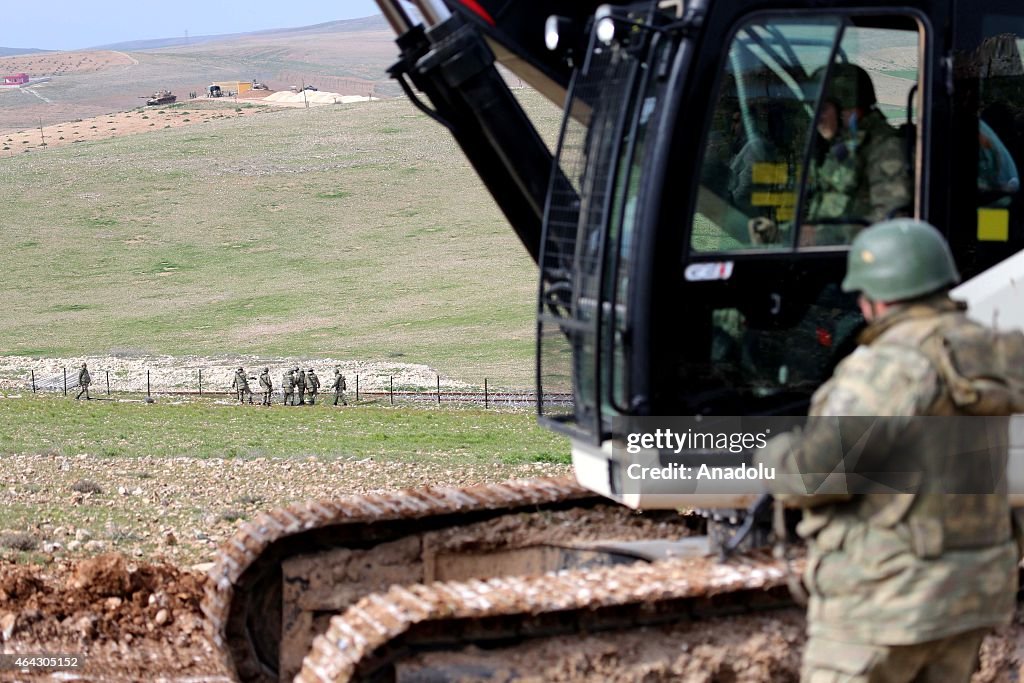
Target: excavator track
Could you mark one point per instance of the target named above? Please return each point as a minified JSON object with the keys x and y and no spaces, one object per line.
{"x":372,"y":640}
{"x":278,"y":581}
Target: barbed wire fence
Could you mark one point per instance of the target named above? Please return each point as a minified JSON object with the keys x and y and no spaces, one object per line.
{"x":103,"y":386}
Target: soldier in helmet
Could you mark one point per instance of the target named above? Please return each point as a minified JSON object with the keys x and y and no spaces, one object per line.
{"x":859,"y":173}
{"x":300,"y":385}
{"x":905,"y":587}
{"x":339,"y":387}
{"x":288,"y":387}
{"x":84,"y":380}
{"x":267,"y":385}
{"x":312,"y":385}
{"x":241,"y":386}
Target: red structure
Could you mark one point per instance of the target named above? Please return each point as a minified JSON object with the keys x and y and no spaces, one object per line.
{"x":16,"y":79}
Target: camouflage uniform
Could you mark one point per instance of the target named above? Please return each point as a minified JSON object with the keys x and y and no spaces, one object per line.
{"x":84,"y":380}
{"x":339,"y":387}
{"x":241,"y":386}
{"x":902,"y":587}
{"x":862,"y":175}
{"x":288,"y":387}
{"x":300,"y":384}
{"x":267,"y":385}
{"x":313,"y":382}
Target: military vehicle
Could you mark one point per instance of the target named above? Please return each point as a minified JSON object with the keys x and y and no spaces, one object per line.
{"x":683,"y":122}
{"x":161,"y":97}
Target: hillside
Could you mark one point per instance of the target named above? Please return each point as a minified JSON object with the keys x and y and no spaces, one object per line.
{"x":348,"y":231}
{"x":350,"y":57}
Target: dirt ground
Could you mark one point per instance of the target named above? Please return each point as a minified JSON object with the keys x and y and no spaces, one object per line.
{"x":121,"y":123}
{"x":57,"y":63}
{"x":133,"y":620}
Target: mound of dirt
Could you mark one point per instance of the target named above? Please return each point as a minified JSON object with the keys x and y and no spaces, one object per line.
{"x":121,"y":617}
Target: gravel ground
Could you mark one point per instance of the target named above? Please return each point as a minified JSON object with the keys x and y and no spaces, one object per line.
{"x":181,"y":373}
{"x":181,"y":509}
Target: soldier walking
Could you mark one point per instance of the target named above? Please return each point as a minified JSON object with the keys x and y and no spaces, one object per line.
{"x":267,"y":385}
{"x":905,"y":587}
{"x":288,"y":387}
{"x":313,"y":382}
{"x":339,"y":387}
{"x":84,"y":380}
{"x":241,"y":386}
{"x":300,"y":384}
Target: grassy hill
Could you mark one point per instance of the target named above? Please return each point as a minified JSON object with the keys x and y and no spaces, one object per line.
{"x":343,"y":231}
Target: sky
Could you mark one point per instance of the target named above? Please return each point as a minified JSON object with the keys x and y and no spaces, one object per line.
{"x":78,"y":24}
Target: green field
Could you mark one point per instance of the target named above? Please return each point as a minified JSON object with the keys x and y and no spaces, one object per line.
{"x":354,"y":231}
{"x":430,"y":437}
{"x":96,"y":476}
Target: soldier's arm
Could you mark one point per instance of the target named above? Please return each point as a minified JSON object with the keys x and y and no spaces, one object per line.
{"x":875,"y":391}
{"x":889,"y":180}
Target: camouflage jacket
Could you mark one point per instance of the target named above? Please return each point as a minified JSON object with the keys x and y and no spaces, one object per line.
{"x":863,"y":175}
{"x":339,"y":383}
{"x":84,"y":379}
{"x":887,"y":568}
{"x":240,"y":381}
{"x":313,"y":382}
{"x":300,"y":379}
{"x":288,"y":382}
{"x":265,"y":381}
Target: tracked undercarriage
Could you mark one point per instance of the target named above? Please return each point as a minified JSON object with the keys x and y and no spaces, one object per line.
{"x":278,"y":583}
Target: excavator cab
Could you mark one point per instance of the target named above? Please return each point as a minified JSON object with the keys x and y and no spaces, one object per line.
{"x":714,"y":163}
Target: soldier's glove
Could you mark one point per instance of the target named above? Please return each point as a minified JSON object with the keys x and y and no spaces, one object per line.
{"x":763,"y":230}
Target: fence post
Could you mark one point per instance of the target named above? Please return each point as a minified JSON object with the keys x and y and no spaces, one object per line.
{"x":200,"y":381}
{"x":65,"y":381}
{"x":108,"y":382}
{"x":439,"y":390}
{"x":357,"y":388}
{"x":33,"y":381}
{"x":392,"y":390}
{"x":147,"y":383}
{"x":485,"y":393}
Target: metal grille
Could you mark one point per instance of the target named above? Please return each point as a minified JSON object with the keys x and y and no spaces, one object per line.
{"x":574,"y":231}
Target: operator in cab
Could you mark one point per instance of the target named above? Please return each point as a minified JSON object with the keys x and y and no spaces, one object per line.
{"x":903,"y":587}
{"x":858,"y":173}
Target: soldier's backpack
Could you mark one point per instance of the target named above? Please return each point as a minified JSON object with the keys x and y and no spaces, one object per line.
{"x":983,"y":368}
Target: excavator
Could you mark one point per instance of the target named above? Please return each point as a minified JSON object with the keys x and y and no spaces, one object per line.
{"x":684,"y":121}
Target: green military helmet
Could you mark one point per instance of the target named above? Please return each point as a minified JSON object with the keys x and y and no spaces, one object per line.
{"x":898,"y":260}
{"x":850,"y":86}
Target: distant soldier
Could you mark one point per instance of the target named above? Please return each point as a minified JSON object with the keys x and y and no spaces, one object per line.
{"x":313,"y":385}
{"x":288,"y":387}
{"x":84,"y":380}
{"x":267,"y":385}
{"x":339,"y":387}
{"x":300,"y":385}
{"x":241,"y":385}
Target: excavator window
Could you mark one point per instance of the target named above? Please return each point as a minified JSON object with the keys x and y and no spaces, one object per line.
{"x":988,"y":100}
{"x":811,"y":133}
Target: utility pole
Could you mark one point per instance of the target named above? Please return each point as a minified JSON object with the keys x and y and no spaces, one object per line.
{"x":304,"y":93}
